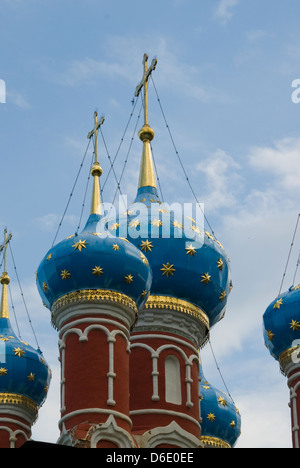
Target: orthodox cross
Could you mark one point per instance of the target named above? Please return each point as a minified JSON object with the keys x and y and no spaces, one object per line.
{"x":144,"y":83}
{"x":4,"y":246}
{"x":95,"y":132}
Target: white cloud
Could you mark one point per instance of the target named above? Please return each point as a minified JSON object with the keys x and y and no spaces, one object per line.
{"x":17,"y":98}
{"x":223,"y":12}
{"x":282,"y":160}
{"x":223,"y":180}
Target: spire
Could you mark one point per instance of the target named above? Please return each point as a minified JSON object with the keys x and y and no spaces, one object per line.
{"x":96,"y":170}
{"x":146,"y":134}
{"x":4,"y":279}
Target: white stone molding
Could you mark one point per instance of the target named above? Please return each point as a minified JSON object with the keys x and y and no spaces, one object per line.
{"x":293,"y":395}
{"x":172,"y":321}
{"x":155,"y":356}
{"x":112,"y":432}
{"x":172,"y":434}
{"x":83,"y":337}
{"x":117,"y":414}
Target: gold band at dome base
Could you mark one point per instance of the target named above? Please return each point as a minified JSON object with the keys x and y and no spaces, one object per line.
{"x":16,"y":399}
{"x":173,"y":303}
{"x":214,"y":442}
{"x":94,"y":295}
{"x":287,"y":355}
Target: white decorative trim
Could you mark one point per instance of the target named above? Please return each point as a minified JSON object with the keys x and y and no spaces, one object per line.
{"x":155,"y":356}
{"x":164,"y":337}
{"x":83,"y":336}
{"x":13,"y":435}
{"x":166,"y":413}
{"x":294,"y":400}
{"x":172,"y":434}
{"x":172,"y":321}
{"x":125,"y":314}
{"x":112,"y":432}
{"x":117,"y":414}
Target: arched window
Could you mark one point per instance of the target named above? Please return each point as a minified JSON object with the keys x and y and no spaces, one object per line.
{"x":173,"y":380}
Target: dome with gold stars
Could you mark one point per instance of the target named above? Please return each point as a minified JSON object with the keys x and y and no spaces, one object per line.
{"x":220,"y":419}
{"x":94,"y":260}
{"x":281,"y":322}
{"x":24,"y":374}
{"x":187,"y":262}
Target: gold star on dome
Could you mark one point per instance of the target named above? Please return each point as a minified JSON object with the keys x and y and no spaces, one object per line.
{"x":168,"y":270}
{"x":65,"y":274}
{"x":223,"y":296}
{"x":3,"y":371}
{"x":80,"y":245}
{"x":220,"y":264}
{"x":211,"y":417}
{"x":19,"y":352}
{"x":46,"y":388}
{"x":45,"y":286}
{"x":128,"y":279}
{"x":143,"y":258}
{"x":190,"y":250}
{"x":146,"y":246}
{"x":177,"y":224}
{"x":222,"y":401}
{"x":232,"y":424}
{"x":3,"y":339}
{"x":206,"y":278}
{"x":114,"y":226}
{"x":278,"y":304}
{"x":270,"y":335}
{"x":49,"y":257}
{"x":97,"y":271}
{"x":116,"y":247}
{"x":134,"y":223}
{"x":195,"y":229}
{"x":295,"y":325}
{"x":206,"y":387}
{"x":144,"y":293}
{"x":156,"y":222}
{"x":31,"y":377}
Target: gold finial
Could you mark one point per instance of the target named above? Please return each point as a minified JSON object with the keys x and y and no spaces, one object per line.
{"x":96,"y":170}
{"x":146,"y":134}
{"x":4,"y":279}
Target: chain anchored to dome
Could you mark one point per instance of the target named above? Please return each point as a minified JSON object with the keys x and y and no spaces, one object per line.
{"x":146,"y":134}
{"x":96,"y":170}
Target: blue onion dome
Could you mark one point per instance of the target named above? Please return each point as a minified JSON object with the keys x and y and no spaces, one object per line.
{"x":281,"y":322}
{"x":220,"y":419}
{"x":187,"y":262}
{"x":24,"y":374}
{"x":94,"y":260}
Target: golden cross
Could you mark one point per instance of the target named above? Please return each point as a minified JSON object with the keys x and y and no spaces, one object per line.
{"x":95,"y":132}
{"x":144,"y":83}
{"x":4,"y":246}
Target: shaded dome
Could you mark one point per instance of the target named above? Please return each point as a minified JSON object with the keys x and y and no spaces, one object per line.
{"x":24,"y":373}
{"x":94,"y":260}
{"x":23,"y":370}
{"x":281,"y":322}
{"x":187,"y":263}
{"x":221,"y":420}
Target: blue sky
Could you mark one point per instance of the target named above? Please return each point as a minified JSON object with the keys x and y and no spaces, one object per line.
{"x":224,"y":76}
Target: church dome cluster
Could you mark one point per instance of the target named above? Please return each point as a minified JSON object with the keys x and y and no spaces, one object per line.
{"x":147,"y":252}
{"x":281,"y":322}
